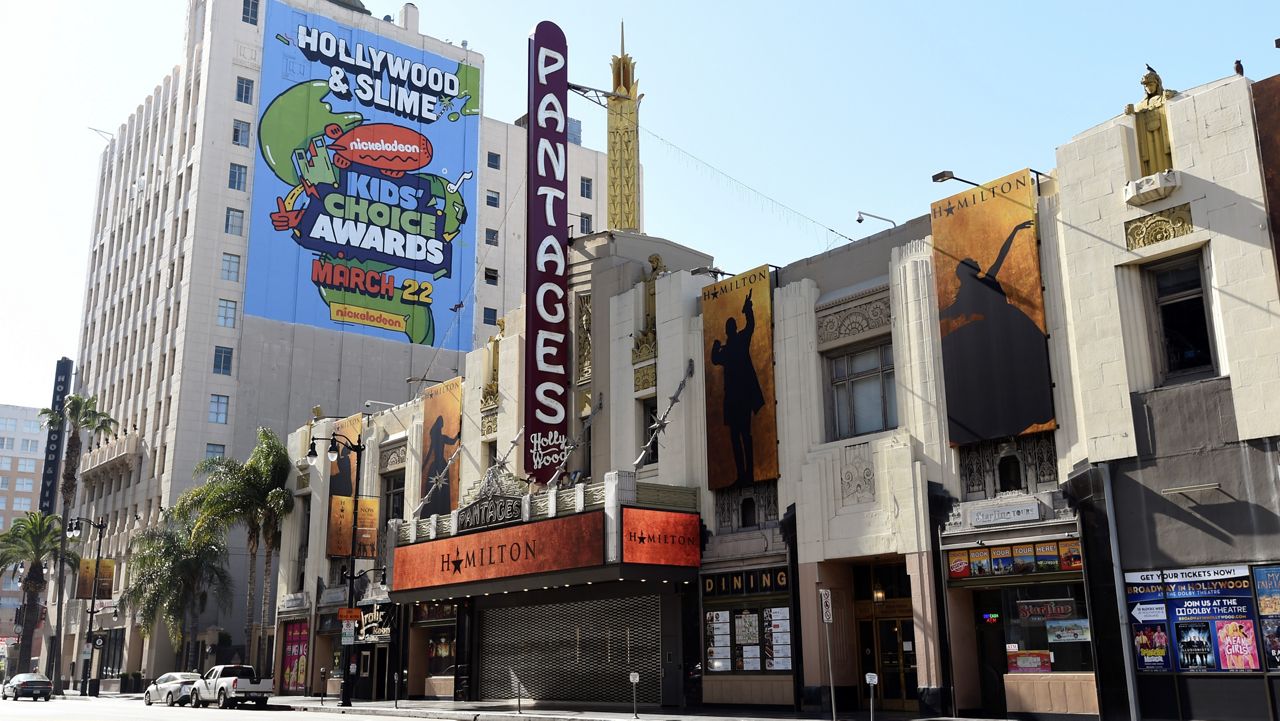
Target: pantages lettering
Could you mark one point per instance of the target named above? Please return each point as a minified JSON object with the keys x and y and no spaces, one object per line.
{"x":490,"y":511}
{"x":490,"y":555}
{"x":546,"y":320}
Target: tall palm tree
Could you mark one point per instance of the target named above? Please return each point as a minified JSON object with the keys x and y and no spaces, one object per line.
{"x":78,"y":414}
{"x":174,"y":571}
{"x":251,"y":494}
{"x":32,"y":540}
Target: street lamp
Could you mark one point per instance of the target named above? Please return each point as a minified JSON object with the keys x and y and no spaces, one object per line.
{"x":357,"y":448}
{"x":75,"y":528}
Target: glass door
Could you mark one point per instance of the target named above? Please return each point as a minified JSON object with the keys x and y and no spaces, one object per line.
{"x":896,"y":655}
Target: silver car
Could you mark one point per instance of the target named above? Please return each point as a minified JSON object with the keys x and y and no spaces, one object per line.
{"x":171,"y":688}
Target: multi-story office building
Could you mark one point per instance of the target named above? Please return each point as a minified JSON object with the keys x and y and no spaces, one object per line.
{"x":22,"y":442}
{"x":253,"y":255}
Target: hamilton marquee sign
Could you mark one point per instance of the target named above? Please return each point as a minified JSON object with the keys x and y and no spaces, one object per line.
{"x":546,"y":358}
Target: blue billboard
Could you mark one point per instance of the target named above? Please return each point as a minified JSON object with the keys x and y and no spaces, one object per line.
{"x":363,"y":198}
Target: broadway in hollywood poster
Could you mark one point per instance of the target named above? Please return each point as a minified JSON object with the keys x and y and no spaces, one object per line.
{"x":441,"y":433}
{"x":737,"y":335}
{"x":364,"y":191}
{"x":991,"y":311}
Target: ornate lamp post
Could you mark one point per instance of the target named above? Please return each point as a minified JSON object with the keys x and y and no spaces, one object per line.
{"x":75,"y":527}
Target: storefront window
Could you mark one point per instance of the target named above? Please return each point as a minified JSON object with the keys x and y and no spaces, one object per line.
{"x":439,"y":622}
{"x":1046,"y":628}
{"x":296,"y":639}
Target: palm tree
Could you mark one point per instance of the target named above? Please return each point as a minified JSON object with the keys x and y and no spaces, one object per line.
{"x":32,"y":540}
{"x":80,"y":414}
{"x":250,"y":494}
{"x":174,"y":571}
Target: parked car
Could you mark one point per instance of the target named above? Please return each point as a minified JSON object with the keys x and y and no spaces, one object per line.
{"x":230,"y":685}
{"x":34,"y":685}
{"x":171,"y":688}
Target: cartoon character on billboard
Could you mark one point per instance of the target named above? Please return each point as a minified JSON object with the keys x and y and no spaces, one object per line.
{"x":359,"y":197}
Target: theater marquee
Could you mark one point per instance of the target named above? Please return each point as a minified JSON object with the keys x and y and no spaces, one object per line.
{"x":663,"y":538}
{"x":559,"y":544}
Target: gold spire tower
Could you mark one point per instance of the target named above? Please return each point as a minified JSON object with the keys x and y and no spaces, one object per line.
{"x":624,"y":143}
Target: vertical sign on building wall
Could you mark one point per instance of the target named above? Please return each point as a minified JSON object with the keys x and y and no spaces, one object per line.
{"x":546,"y":359}
{"x":441,"y":434}
{"x":986,"y":263}
{"x":54,"y":439}
{"x":344,"y":482}
{"x":363,"y":192}
{"x":737,"y":338}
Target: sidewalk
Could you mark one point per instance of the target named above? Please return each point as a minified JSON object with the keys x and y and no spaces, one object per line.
{"x":509,"y":711}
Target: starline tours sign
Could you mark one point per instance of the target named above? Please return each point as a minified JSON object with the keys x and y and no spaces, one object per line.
{"x":546,"y":358}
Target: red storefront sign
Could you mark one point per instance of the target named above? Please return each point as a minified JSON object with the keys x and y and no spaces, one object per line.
{"x":664,"y":538}
{"x":546,"y":358}
{"x":560,"y":544}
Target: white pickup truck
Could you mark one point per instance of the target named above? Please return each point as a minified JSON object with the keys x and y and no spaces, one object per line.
{"x":230,"y":685}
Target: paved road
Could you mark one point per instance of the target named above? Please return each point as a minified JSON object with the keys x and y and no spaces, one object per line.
{"x":116,"y":709}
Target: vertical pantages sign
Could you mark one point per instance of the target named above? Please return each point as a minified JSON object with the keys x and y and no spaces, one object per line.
{"x":441,"y":434}
{"x":991,"y":311}
{"x":53,"y":441}
{"x":546,"y":359}
{"x":362,"y":196}
{"x":737,"y":336}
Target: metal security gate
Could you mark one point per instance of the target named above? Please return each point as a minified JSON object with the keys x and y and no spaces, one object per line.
{"x":578,"y":651}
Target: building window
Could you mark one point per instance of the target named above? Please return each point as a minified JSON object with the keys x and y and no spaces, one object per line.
{"x":490,"y":276}
{"x":1184,"y":341}
{"x":491,"y":236}
{"x":490,"y":316}
{"x":584,"y":223}
{"x":22,"y":485}
{"x":226,"y":313}
{"x":865,"y":398}
{"x":4,"y":483}
{"x":244,"y":91}
{"x":584,"y":187}
{"x":249,"y":13}
{"x":8,"y":424}
{"x":218,"y":408}
{"x":22,"y":504}
{"x":392,"y":497}
{"x":4,"y":502}
{"x":492,"y":198}
{"x":6,"y":463}
{"x":26,"y":465}
{"x":234,"y":223}
{"x":1010,"y":471}
{"x":231,"y":267}
{"x":31,"y":426}
{"x":648,"y":416}
{"x":237,"y":176}
{"x":240,"y":133}
{"x":214,"y":450}
{"x":222,"y":360}
{"x":495,"y":161}
{"x":6,"y":443}
{"x":747,"y":513}
{"x":30,"y":445}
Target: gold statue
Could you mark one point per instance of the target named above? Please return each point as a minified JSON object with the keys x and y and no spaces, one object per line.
{"x":1155,"y":152}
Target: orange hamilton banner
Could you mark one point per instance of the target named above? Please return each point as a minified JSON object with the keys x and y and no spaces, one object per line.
{"x":344,"y":479}
{"x":106,"y":576}
{"x":441,"y":433}
{"x":664,"y":538}
{"x":737,"y":337}
{"x":559,"y":544}
{"x":986,"y":263}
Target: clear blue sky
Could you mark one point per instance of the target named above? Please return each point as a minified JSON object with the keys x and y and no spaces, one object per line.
{"x":828,"y":108}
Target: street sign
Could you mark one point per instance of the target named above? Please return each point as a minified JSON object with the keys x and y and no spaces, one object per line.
{"x":349,"y":614}
{"x":98,"y":641}
{"x":825,"y":595}
{"x":872,"y":679}
{"x":348,"y":633}
{"x":635,"y":677}
{"x":86,"y":652}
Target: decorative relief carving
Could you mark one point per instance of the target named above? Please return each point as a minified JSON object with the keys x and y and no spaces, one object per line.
{"x":729,"y":505}
{"x":583,"y":305}
{"x":393,"y":458}
{"x":646,"y":377}
{"x":1159,"y":226}
{"x":489,"y":397}
{"x":646,"y":341}
{"x":489,"y":424}
{"x":854,"y":321}
{"x":857,"y":475}
{"x":979,"y":463}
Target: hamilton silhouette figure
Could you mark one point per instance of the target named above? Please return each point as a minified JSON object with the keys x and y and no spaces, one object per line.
{"x":995,"y":362}
{"x":743,"y":398}
{"x":434,"y":462}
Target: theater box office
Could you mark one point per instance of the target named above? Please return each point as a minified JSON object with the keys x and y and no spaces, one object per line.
{"x":1017,"y":606}
{"x":557,"y":609}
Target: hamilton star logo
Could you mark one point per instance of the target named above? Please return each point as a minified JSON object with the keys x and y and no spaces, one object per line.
{"x":457,"y":560}
{"x":951,"y":208}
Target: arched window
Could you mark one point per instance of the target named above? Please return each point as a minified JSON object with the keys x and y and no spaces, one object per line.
{"x":748,"y":519}
{"x":1010,"y":470}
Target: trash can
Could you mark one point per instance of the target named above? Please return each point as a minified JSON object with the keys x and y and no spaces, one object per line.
{"x":93,"y":686}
